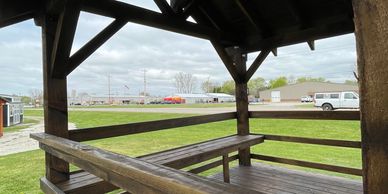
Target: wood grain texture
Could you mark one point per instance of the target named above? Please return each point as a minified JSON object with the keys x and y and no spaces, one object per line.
{"x":131,"y":13}
{"x":328,"y":142}
{"x":339,"y":169}
{"x":187,"y":156}
{"x":211,"y":165}
{"x":55,"y":102}
{"x":317,"y":115}
{"x":275,"y":179}
{"x":133,"y":175}
{"x":371,"y":22}
{"x":142,"y":127}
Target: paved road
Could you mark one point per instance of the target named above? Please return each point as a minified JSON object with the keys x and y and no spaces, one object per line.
{"x":259,"y":107}
{"x":15,"y":142}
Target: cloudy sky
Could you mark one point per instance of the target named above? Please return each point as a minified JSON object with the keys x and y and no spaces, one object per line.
{"x":161,"y":54}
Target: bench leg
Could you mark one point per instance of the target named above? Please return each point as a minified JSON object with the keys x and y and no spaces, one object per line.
{"x":225,"y":165}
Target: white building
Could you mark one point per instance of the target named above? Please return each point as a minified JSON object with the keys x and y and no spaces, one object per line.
{"x":206,"y":98}
{"x":221,"y":97}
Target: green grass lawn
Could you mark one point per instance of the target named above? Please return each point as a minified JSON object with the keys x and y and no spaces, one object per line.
{"x":27,"y":122}
{"x":305,"y":105}
{"x":161,"y":106}
{"x":20,"y":172}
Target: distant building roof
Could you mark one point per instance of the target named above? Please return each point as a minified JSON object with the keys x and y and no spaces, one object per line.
{"x":10,"y":98}
{"x":192,"y":95}
{"x":220,"y":95}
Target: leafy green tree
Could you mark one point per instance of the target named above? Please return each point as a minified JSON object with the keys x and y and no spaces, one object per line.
{"x":26,"y":100}
{"x":256,"y":85}
{"x":228,"y":87}
{"x":278,"y":82}
{"x":310,"y":79}
{"x":351,"y":82}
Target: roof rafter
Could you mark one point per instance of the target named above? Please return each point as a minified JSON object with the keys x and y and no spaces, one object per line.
{"x":154,"y":19}
{"x":313,"y":33}
{"x":89,"y":48}
{"x":256,"y":64}
{"x":11,"y":12}
{"x":67,"y":24}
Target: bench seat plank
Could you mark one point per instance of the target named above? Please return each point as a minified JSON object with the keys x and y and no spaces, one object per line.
{"x":190,"y":155}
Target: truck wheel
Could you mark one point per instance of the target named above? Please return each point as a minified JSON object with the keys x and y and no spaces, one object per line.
{"x":327,"y":107}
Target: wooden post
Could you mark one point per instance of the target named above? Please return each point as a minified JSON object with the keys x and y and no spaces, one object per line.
{"x":371,"y":24}
{"x":239,"y":60}
{"x":55,"y":102}
{"x":225,"y":168}
{"x":1,"y":117}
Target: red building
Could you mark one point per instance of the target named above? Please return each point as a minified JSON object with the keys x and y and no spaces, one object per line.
{"x":2,"y":102}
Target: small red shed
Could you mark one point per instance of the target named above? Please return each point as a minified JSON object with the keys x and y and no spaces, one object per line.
{"x":2,"y":102}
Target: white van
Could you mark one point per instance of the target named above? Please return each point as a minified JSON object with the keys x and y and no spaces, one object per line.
{"x":336,"y":100}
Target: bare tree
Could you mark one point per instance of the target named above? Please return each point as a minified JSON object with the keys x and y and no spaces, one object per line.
{"x":185,"y":82}
{"x":209,"y":86}
{"x":36,"y":97}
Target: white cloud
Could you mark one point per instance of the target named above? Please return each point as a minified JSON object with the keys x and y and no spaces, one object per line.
{"x":161,"y":53}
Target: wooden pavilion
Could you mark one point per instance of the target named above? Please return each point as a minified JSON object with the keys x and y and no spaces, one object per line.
{"x":235,"y":28}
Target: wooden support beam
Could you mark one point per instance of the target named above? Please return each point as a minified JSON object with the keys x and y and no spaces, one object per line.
{"x":15,"y":11}
{"x":242,"y":4}
{"x":275,"y":52}
{"x":339,"y":169}
{"x":253,"y":44}
{"x":328,"y":142}
{"x":371,"y":21}
{"x":142,"y":127}
{"x":255,"y":18}
{"x":241,"y":85}
{"x":55,"y":103}
{"x":315,"y":115}
{"x":67,"y":24}
{"x":256,"y":64}
{"x":164,"y":7}
{"x":225,"y":168}
{"x":89,"y":48}
{"x":131,"y":13}
{"x":211,"y":165}
{"x":226,"y":59}
{"x":311,"y":44}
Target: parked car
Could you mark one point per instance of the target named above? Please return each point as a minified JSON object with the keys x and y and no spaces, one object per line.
{"x":306,"y":99}
{"x":336,"y":100}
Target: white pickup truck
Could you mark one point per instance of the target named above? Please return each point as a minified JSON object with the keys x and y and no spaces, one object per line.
{"x":336,"y":100}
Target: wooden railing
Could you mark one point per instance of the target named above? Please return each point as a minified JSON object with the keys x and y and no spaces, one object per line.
{"x":133,"y":175}
{"x":143,"y":127}
{"x":316,"y":115}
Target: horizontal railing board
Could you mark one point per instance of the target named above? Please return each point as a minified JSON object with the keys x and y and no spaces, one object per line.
{"x":133,"y":175}
{"x":211,"y":165}
{"x":327,"y":167}
{"x":327,"y":142}
{"x":142,"y":127}
{"x":319,"y":115}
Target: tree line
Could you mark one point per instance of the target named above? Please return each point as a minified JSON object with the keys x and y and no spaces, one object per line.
{"x":186,"y":83}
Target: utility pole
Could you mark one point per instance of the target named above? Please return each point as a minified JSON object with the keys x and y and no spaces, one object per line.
{"x":109,"y":100}
{"x":145,"y":86}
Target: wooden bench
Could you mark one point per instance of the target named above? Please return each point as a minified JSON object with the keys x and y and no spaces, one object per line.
{"x":178,"y":158}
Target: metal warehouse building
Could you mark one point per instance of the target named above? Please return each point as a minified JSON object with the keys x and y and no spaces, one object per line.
{"x":295,"y":91}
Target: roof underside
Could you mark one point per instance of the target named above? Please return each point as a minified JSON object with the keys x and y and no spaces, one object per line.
{"x":260,"y":24}
{"x":253,"y":25}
